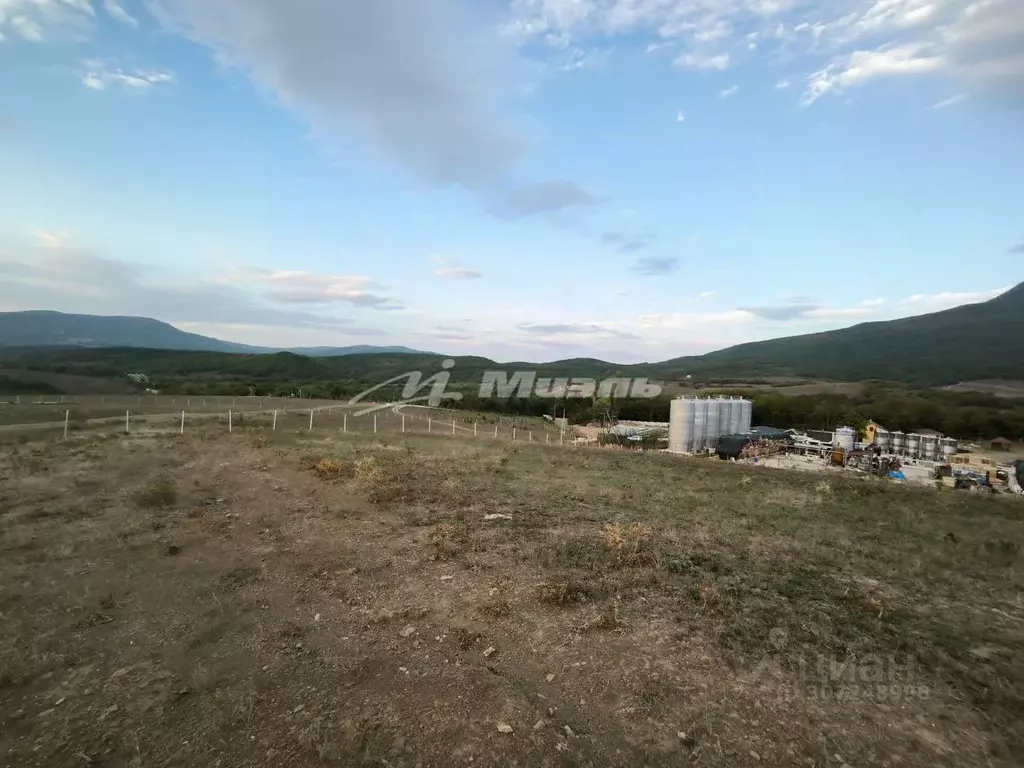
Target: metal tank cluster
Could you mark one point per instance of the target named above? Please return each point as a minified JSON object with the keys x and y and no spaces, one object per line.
{"x":695,"y":423}
{"x":909,"y":445}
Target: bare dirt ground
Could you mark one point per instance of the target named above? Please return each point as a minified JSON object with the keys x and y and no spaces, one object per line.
{"x":273,"y":600}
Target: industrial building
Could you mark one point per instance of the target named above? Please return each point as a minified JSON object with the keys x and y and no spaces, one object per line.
{"x":696,"y":424}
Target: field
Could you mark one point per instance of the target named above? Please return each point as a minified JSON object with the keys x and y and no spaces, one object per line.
{"x":285,"y":598}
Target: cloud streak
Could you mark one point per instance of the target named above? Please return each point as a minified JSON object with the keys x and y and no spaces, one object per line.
{"x":651,"y":266}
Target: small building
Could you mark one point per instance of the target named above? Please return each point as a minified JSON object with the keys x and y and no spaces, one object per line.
{"x":929,"y":433}
{"x":1000,"y":444}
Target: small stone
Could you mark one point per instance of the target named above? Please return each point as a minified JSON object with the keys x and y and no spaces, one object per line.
{"x":407,"y":631}
{"x":121,"y":672}
{"x":754,"y":755}
{"x":539,"y":724}
{"x":504,"y":728}
{"x":316,"y":617}
{"x":46,"y":712}
{"x":549,"y":678}
{"x":447,"y":578}
{"x":60,"y":701}
{"x":490,"y":652}
{"x":298,"y":709}
{"x":551,"y":711}
{"x":569,"y":733}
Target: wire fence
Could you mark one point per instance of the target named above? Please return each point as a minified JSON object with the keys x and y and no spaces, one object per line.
{"x":328,"y":417}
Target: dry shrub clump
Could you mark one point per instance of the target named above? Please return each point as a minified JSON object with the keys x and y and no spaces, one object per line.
{"x":392,"y":477}
{"x":562,"y":593}
{"x":332,"y":469}
{"x":631,"y":544}
{"x":445,"y":541}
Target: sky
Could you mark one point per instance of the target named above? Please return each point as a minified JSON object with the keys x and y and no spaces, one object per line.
{"x":633,"y":180}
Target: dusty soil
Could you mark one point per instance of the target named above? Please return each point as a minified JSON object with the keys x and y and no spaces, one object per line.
{"x":265,"y":600}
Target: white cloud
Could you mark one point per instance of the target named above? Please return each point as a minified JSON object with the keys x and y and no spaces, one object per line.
{"x":117,"y":11}
{"x":703,"y":61}
{"x":680,"y":117}
{"x":301,"y":287}
{"x":52,"y":240}
{"x":841,"y":43}
{"x":949,"y":102}
{"x":782,"y":85}
{"x":730,"y":91}
{"x":860,"y":66}
{"x":40,"y":20}
{"x":98,"y":76}
{"x":872,"y":302}
{"x":934,"y":302}
{"x":446,"y":268}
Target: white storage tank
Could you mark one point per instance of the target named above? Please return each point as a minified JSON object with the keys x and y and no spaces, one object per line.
{"x":883,"y":440}
{"x":930,"y":447}
{"x":899,"y":442}
{"x":699,"y":425}
{"x":948,"y":445}
{"x":845,"y":438}
{"x":746,"y":416}
{"x":725,"y":415}
{"x":680,"y":426}
{"x":914,"y":446}
{"x":714,"y":429}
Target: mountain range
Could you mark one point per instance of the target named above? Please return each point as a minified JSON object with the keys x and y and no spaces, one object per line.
{"x":971,"y":342}
{"x":42,"y":328}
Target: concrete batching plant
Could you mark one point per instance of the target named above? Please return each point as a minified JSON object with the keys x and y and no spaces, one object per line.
{"x":695,"y":424}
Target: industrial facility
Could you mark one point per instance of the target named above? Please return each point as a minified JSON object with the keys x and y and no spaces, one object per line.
{"x":696,"y":424}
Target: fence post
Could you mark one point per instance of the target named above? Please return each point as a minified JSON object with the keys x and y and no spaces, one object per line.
{"x":127,"y":423}
{"x":495,"y":430}
{"x":273,"y":427}
{"x":310,"y":419}
{"x":403,"y":423}
{"x":229,"y":420}
{"x":474,"y":429}
{"x":531,"y":435}
{"x":513,"y":433}
{"x":561,"y":435}
{"x":547,"y":437}
{"x":67,"y":415}
{"x":453,"y":426}
{"x":344,"y":423}
{"x":429,"y":424}
{"x":182,"y":431}
{"x":375,"y":423}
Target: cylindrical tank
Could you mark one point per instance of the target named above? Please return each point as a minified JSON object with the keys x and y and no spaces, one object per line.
{"x":883,"y":440}
{"x":899,"y":442}
{"x":930,"y":448}
{"x":713,"y":425}
{"x":700,"y":425}
{"x":680,"y":426}
{"x":725,"y":415}
{"x":746,"y":416}
{"x":948,"y":445}
{"x":844,"y":438}
{"x":914,"y":446}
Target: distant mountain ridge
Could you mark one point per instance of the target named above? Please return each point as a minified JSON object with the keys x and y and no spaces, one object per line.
{"x":46,"y":328}
{"x":967,"y":343}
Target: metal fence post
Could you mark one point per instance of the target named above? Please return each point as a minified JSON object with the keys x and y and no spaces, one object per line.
{"x":182,"y":430}
{"x":310,"y":419}
{"x":430,"y":423}
{"x":453,"y":426}
{"x":495,"y":430}
{"x":273,"y":426}
{"x":474,"y":429}
{"x":67,"y":415}
{"x":513,"y":433}
{"x":403,"y":423}
{"x":375,"y":423}
{"x":229,"y":420}
{"x":127,"y":423}
{"x":344,"y":423}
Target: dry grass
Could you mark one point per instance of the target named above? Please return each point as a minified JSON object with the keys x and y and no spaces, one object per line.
{"x":346,"y":602}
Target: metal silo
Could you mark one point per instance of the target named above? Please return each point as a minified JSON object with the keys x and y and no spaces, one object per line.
{"x":680,"y":427}
{"x":845,"y":438}
{"x":714,"y":428}
{"x":746,"y":416}
{"x":899,"y":442}
{"x":725,"y":415}
{"x":700,"y":424}
{"x":914,"y":446}
{"x":948,"y":445}
{"x":930,"y":448}
{"x":883,"y":440}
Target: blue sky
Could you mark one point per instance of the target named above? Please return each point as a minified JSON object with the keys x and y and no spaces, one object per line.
{"x":535,"y":179}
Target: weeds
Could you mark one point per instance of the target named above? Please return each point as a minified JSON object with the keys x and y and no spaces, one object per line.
{"x":562,"y":593}
{"x":444,"y":540}
{"x":631,"y":544}
{"x":159,"y":494}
